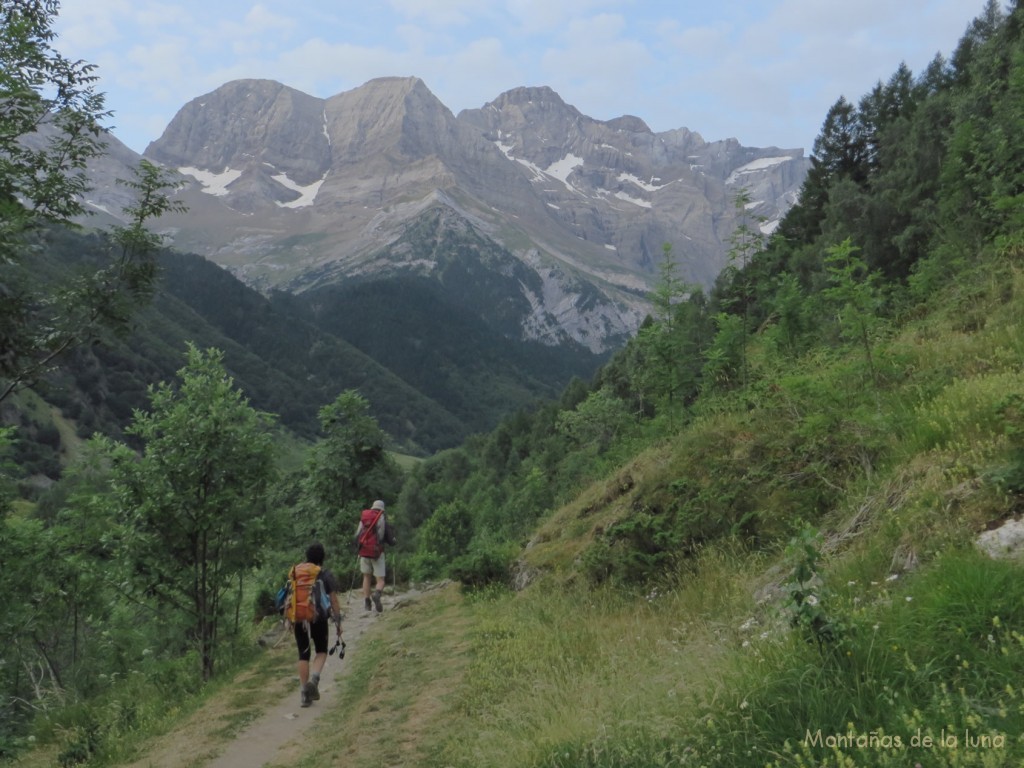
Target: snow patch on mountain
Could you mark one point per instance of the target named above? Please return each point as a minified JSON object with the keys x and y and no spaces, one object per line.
{"x":755,"y":166}
{"x":215,"y":184}
{"x":561,"y":169}
{"x":307,"y":194}
{"x":634,"y":200}
{"x":648,"y":186}
{"x":506,"y":149}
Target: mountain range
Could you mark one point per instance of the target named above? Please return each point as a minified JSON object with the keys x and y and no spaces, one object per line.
{"x":546,"y":223}
{"x":452,"y":269}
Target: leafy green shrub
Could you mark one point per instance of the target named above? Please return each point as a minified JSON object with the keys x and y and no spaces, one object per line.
{"x":807,"y":597}
{"x":264,"y":604}
{"x":635,"y":549}
{"x":483,"y":565}
{"x":424,"y":566}
{"x":448,"y":531}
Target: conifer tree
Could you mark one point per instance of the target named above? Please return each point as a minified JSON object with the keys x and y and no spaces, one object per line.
{"x":659,"y":340}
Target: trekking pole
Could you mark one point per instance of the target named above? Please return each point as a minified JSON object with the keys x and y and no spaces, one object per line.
{"x":352,"y":588}
{"x":283,"y":635}
{"x":338,"y":643}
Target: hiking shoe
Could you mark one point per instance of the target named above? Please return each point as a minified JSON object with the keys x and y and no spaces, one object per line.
{"x":376,"y":602}
{"x":366,"y":603}
{"x":314,"y":690}
{"x":305,"y":699}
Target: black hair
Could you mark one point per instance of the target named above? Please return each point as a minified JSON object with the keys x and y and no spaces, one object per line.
{"x":315,"y":553}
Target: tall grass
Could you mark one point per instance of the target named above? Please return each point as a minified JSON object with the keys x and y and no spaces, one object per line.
{"x":922,"y":661}
{"x":569,"y":678}
{"x":559,"y":669}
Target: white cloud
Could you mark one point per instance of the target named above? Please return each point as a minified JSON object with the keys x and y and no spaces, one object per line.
{"x":262,"y":19}
{"x":764,"y":72}
{"x":543,"y":16}
{"x":439,"y":13}
{"x":91,"y":25}
{"x":597,"y":66}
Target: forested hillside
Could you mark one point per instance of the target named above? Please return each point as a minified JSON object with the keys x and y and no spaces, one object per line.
{"x":748,"y":540}
{"x":445,"y":378}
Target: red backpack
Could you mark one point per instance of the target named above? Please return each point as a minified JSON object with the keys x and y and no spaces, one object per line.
{"x":369,"y":546}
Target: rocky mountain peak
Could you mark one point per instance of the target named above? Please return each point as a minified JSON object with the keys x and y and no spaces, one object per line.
{"x":539,"y":99}
{"x":244,"y":125}
{"x":397,"y":113}
{"x":294,"y":191}
{"x":629,"y":123}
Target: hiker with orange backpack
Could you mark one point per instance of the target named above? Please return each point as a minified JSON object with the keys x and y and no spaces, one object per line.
{"x":309,"y":598}
{"x":372,"y":534}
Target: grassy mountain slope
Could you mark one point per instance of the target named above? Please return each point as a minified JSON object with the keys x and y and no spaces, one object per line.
{"x":704,"y":668}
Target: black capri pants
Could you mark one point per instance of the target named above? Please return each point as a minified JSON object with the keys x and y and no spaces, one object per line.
{"x":317,"y":631}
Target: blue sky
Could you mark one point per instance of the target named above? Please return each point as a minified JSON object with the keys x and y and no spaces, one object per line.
{"x":762,"y":72}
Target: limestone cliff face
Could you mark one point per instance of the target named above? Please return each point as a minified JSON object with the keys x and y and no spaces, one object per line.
{"x":288,"y":190}
{"x":252,"y":127}
{"x":617,"y":183}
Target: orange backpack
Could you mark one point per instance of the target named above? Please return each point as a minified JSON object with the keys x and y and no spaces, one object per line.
{"x":305,"y":597}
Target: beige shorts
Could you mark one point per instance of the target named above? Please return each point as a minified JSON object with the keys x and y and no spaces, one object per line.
{"x":376,"y":567}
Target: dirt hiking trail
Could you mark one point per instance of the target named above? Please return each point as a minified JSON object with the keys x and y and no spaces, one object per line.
{"x":257,"y":721}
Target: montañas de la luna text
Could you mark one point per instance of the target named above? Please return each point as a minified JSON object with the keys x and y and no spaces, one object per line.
{"x":881,"y":740}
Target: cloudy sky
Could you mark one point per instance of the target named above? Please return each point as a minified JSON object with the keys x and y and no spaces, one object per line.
{"x":763,"y":72}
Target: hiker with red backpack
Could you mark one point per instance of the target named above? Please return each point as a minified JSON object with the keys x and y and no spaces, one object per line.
{"x":308,"y":598}
{"x":371,"y":536}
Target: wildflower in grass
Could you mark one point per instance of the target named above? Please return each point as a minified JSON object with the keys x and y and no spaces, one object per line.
{"x":995,"y":621}
{"x":909,"y":598}
{"x":892,"y":577}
